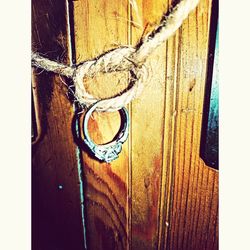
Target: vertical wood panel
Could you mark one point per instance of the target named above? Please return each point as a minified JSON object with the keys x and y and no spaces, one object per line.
{"x":147,"y":130}
{"x":170,"y":120}
{"x":164,"y":139}
{"x":56,"y":208}
{"x":193,"y":212}
{"x":159,"y":194}
{"x":99,"y":26}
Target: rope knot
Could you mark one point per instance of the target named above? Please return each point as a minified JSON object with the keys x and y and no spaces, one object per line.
{"x":116,"y":60}
{"x":124,"y":58}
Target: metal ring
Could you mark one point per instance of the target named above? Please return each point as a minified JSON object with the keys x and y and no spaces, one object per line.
{"x":109,"y":151}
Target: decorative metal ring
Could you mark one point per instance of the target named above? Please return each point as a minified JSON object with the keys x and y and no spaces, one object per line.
{"x":109,"y":151}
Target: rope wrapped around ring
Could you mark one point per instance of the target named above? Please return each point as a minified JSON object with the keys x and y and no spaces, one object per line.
{"x":134,"y":89}
{"x":124,"y":58}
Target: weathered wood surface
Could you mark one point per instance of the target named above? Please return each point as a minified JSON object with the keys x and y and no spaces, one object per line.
{"x":159,"y":194}
{"x":159,"y":180}
{"x":56,"y":208}
{"x":147,"y":134}
{"x":194,"y":200}
{"x":101,"y":25}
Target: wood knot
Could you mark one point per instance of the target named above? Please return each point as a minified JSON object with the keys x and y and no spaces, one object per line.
{"x":146,"y":182}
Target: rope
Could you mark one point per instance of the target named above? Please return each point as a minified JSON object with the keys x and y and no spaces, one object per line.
{"x":125,"y":58}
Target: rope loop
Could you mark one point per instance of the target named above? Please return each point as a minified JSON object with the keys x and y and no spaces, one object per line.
{"x":124,"y":58}
{"x":138,"y":75}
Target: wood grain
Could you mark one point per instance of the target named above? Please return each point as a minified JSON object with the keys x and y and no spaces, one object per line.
{"x":169,"y":197}
{"x":159,"y":194}
{"x":147,"y":135}
{"x":99,"y":26}
{"x":194,"y":200}
{"x":56,"y":208}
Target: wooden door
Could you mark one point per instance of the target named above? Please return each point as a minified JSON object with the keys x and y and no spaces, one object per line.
{"x":158,"y":194}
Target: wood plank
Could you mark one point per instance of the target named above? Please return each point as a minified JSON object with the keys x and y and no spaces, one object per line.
{"x":101,"y":25}
{"x":170,"y":121}
{"x":56,"y":208}
{"x":148,"y":126}
{"x":193,"y":216}
{"x":159,"y":194}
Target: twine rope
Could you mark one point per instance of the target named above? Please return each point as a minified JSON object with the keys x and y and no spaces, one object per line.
{"x":124,"y":58}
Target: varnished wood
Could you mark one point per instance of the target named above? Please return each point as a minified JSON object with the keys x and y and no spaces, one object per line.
{"x":56,"y":208}
{"x":160,"y":170}
{"x":147,"y":135}
{"x":159,"y":194}
{"x":99,"y":26}
{"x":193,"y":213}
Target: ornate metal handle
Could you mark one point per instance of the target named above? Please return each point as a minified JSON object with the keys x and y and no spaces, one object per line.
{"x":109,"y":151}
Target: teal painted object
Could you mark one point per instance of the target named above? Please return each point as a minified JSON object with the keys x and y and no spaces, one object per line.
{"x":80,"y":176}
{"x":210,"y":123}
{"x":213,"y":117}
